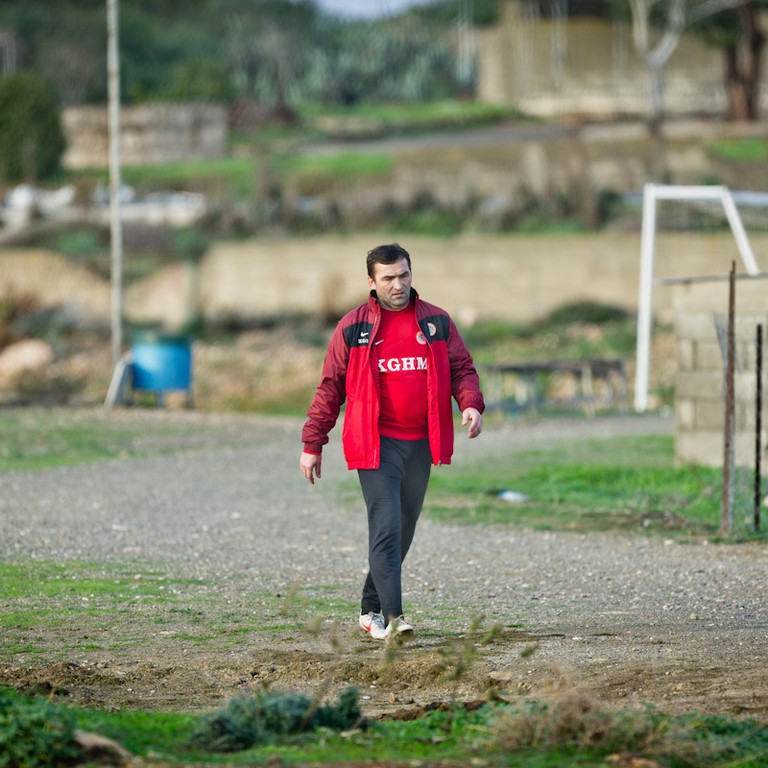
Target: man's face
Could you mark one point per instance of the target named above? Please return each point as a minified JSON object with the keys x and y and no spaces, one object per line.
{"x":392,"y":283}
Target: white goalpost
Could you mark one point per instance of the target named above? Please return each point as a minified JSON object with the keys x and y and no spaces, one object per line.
{"x":652,"y":194}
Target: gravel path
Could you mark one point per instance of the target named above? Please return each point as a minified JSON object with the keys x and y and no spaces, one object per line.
{"x":682,"y":625}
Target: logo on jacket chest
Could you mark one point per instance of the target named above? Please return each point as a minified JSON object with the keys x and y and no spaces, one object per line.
{"x":397,"y":364}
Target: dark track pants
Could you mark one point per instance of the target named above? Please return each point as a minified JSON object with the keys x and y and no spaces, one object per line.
{"x":394,"y":494}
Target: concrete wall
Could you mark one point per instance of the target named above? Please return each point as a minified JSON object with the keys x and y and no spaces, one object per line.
{"x":515,"y":278}
{"x":699,"y":386}
{"x":153,"y":133}
{"x":590,"y":67}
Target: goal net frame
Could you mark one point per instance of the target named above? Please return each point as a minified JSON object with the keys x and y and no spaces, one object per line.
{"x":652,"y":194}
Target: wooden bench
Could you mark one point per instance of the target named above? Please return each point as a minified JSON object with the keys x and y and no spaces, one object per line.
{"x":529,"y":378}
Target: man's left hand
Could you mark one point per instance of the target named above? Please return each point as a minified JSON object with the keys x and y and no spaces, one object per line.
{"x":474,"y":418}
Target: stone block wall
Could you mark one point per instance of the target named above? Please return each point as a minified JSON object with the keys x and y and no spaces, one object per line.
{"x":700,"y":381}
{"x":589,"y":67}
{"x":152,"y":133}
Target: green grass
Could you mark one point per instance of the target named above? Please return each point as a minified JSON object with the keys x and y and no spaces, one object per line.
{"x":34,"y":446}
{"x":51,"y":609}
{"x":439,"y":736}
{"x":273,"y":149}
{"x":627,"y":484}
{"x":619,"y":483}
{"x":567,"y":731}
{"x":79,"y":579}
{"x":615,"y":483}
{"x":741,"y":151}
{"x":77,"y":601}
{"x":277,"y":146}
{"x":240,"y":174}
{"x":37,"y":438}
{"x":573,"y":332}
{"x":420,"y":116}
{"x":235,"y":174}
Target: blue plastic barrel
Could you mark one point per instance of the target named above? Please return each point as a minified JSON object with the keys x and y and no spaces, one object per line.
{"x":161,"y":363}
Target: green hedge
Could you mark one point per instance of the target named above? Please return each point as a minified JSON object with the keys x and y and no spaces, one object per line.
{"x":31,"y":137}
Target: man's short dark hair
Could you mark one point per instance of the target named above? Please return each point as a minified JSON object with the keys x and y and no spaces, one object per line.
{"x":386,"y":254}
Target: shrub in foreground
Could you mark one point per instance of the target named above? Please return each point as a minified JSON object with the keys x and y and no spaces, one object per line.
{"x":571,"y":723}
{"x":249,"y":720}
{"x":35,"y":732}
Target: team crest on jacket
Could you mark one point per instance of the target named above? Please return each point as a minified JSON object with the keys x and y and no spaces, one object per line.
{"x":432,"y":328}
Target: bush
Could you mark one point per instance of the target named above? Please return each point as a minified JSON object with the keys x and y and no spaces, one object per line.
{"x":31,"y":137}
{"x":249,"y":720}
{"x":35,"y":733}
{"x":79,"y":242}
{"x":586,"y":311}
{"x":570,"y":721}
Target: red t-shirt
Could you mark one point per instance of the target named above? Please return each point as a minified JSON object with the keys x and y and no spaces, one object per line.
{"x":401,"y":356}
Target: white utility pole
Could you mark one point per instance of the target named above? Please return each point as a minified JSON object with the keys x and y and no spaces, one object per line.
{"x":116,"y":225}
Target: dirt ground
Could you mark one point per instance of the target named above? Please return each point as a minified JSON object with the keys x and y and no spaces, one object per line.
{"x":628,"y":620}
{"x":402,"y":683}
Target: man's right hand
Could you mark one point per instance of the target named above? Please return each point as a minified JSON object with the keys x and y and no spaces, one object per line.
{"x":311,"y":464}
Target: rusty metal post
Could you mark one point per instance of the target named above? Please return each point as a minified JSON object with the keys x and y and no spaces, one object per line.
{"x":726,"y":506}
{"x":758,"y":422}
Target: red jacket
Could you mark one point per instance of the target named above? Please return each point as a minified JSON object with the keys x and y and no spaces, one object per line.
{"x":350,"y":372}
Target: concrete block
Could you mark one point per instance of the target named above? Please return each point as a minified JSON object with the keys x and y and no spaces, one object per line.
{"x":744,"y":449}
{"x":745,"y":356}
{"x":698,"y":384}
{"x":686,"y":355}
{"x":700,"y":298}
{"x":744,"y":421}
{"x":704,"y":448}
{"x":685,"y":414}
{"x":695,"y":326}
{"x":751,"y":296}
{"x":745,"y":323}
{"x":709,"y":357}
{"x":744,"y":388}
{"x":710,"y":414}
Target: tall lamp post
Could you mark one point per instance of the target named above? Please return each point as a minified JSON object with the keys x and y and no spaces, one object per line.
{"x":116,"y":226}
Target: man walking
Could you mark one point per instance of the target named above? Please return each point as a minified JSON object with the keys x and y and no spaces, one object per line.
{"x":396,"y":360}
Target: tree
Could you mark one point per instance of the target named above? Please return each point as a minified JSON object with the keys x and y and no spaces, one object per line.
{"x":275,"y":52}
{"x":669,"y":18}
{"x":391,"y":60}
{"x":656,"y":56}
{"x":64,"y":41}
{"x":740,"y":36}
{"x":31,"y":138}
{"x":267,"y":45}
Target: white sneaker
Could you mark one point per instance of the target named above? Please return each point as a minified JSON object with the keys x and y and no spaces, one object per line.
{"x":398,"y":631}
{"x":373,"y":623}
